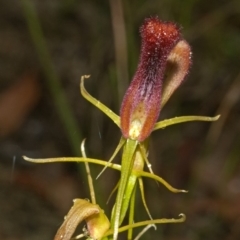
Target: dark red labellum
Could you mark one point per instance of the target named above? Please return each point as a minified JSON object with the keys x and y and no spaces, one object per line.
{"x":141,"y":104}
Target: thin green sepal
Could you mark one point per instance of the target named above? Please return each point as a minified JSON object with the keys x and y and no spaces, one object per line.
{"x":176,"y":120}
{"x":98,"y":104}
{"x":144,"y":223}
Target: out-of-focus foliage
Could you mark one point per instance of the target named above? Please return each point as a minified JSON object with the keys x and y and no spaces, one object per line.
{"x":201,"y":157}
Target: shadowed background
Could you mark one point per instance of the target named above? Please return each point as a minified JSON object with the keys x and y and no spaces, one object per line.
{"x":45,"y":47}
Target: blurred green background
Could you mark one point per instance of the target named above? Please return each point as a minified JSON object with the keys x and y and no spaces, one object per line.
{"x":45,"y":47}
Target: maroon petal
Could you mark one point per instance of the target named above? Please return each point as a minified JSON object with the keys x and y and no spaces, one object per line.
{"x":141,"y":104}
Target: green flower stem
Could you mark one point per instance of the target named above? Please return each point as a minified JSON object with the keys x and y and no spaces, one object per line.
{"x":131,"y":211}
{"x":126,"y":170}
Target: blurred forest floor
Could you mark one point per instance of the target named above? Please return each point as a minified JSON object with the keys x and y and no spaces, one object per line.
{"x":101,"y":38}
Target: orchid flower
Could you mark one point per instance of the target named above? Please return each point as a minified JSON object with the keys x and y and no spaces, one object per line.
{"x":164,"y":62}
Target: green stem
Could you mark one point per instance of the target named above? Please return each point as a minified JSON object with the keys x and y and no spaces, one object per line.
{"x":131,"y":212}
{"x":126,"y":169}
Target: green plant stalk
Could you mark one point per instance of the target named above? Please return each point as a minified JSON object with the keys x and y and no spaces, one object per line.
{"x":127,"y":164}
{"x":127,"y":196}
{"x":131,"y":211}
{"x":138,"y":165}
{"x":52,"y":79}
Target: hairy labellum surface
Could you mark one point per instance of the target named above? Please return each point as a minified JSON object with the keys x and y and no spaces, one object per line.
{"x":141,"y":104}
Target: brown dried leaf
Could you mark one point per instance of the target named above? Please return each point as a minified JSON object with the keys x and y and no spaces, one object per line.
{"x":16,"y":103}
